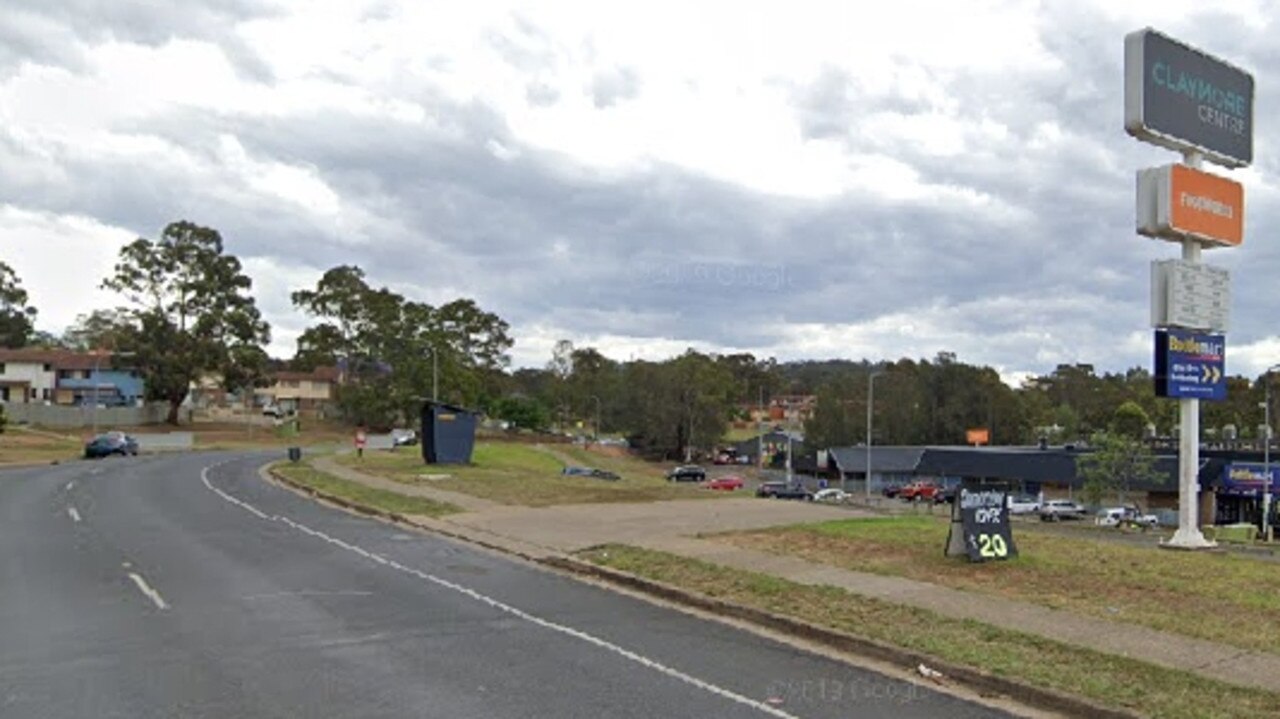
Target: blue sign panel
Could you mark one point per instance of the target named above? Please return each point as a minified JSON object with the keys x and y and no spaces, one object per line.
{"x":1191,"y":365}
{"x":1249,"y":477}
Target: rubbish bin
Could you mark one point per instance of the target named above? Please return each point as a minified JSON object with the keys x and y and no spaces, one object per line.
{"x":295,"y":454}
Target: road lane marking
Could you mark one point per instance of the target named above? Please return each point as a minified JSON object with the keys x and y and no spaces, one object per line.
{"x":75,"y":516}
{"x":147,"y":591}
{"x":71,"y":484}
{"x":505,"y":608}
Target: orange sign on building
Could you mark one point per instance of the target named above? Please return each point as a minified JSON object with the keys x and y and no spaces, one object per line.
{"x":1177,"y":202}
{"x":977,"y":436}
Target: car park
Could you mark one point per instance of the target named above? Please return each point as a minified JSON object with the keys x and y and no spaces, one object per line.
{"x":1056,"y":510}
{"x":687,"y":473}
{"x":109,"y":444}
{"x":782,"y":490}
{"x":729,"y":482}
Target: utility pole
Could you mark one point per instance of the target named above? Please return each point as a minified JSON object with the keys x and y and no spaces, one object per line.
{"x":871,"y":394}
{"x":1266,"y":456}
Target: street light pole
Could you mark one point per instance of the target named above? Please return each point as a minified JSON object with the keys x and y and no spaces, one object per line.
{"x":871,"y":394}
{"x":1266,"y":456}
{"x":597,"y":399}
{"x":760,"y":432}
{"x":435,"y":384}
{"x":97,"y":360}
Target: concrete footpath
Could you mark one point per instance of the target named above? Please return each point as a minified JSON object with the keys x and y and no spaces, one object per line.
{"x":676,"y":526}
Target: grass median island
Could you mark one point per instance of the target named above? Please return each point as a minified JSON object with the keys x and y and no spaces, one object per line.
{"x":522,"y":474}
{"x":1225,"y":598}
{"x":1146,"y":688}
{"x":356,"y":493}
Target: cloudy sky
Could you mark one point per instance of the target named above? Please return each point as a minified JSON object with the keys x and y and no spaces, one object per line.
{"x":798,"y":180}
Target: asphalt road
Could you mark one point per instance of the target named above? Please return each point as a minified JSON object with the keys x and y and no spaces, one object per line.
{"x":154,"y":587}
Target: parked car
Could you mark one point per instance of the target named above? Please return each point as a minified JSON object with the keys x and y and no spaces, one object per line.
{"x":1023,"y":505}
{"x":891,"y":491}
{"x":919,"y":490}
{"x":111,"y":443}
{"x":1056,"y":510}
{"x":593,"y":472}
{"x":687,"y":473}
{"x":834,"y":495}
{"x":1120,"y":516}
{"x":945,"y":495}
{"x":403,"y":437}
{"x":729,"y":482}
{"x":782,"y":490}
{"x":723,"y":458}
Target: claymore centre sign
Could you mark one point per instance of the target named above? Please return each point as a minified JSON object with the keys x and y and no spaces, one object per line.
{"x":1181,"y":98}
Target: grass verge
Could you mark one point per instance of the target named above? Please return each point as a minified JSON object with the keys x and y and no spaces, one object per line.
{"x":356,"y":493}
{"x":522,"y":474}
{"x":19,"y":445}
{"x":1208,"y":596}
{"x":1118,"y":681}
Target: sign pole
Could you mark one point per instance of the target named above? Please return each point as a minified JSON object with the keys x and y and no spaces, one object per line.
{"x":1188,"y":535}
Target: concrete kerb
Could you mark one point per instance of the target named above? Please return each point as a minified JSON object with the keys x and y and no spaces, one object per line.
{"x":973,"y":679}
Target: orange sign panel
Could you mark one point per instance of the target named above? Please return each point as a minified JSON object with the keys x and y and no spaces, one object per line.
{"x":1205,"y":206}
{"x":977,"y":436}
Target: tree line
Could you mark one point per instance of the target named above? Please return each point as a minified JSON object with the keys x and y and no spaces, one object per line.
{"x":187,"y":312}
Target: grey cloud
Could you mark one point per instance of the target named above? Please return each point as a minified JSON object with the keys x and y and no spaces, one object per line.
{"x":139,"y":21}
{"x":670,"y":254}
{"x":609,"y":87}
{"x":541,"y":94}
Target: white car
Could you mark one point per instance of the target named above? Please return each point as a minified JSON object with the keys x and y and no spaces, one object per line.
{"x":1115,"y":516}
{"x":832,"y":494}
{"x":1023,"y":505}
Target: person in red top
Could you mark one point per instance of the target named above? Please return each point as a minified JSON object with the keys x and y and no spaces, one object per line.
{"x":360,"y":438}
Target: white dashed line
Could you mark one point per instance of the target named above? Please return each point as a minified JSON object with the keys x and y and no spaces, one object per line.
{"x":147,"y":591}
{"x":71,"y":484}
{"x":71,"y":512}
{"x":503,"y":607}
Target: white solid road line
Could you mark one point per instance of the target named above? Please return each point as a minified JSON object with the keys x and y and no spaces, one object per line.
{"x":505,"y":608}
{"x":146,"y":589}
{"x":75,"y":516}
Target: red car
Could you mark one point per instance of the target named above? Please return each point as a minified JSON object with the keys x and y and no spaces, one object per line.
{"x":919,"y":490}
{"x":728,"y":482}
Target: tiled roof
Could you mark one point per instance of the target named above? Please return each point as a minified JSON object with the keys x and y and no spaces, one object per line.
{"x":60,"y":359}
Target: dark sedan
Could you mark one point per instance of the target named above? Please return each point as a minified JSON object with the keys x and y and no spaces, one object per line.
{"x":782,"y":490}
{"x":110,"y":443}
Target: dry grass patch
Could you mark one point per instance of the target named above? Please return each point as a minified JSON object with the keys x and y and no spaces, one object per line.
{"x":20,"y":445}
{"x":522,"y":474}
{"x":359,"y":494}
